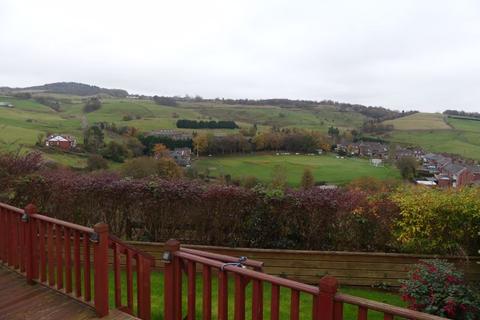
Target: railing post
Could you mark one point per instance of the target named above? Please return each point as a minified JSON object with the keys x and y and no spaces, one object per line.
{"x":143,"y":288}
{"x":325,"y":301}
{"x":29,"y":239}
{"x":100,"y":261}
{"x":170,"y":289}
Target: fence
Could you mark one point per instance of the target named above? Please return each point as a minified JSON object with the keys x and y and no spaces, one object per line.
{"x":350,"y":268}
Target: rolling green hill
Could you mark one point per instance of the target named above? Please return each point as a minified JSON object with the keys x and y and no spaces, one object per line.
{"x":20,"y":126}
{"x":458,"y":136}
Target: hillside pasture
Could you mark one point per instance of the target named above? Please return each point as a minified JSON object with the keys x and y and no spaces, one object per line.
{"x":326,"y":168}
{"x":420,"y":121}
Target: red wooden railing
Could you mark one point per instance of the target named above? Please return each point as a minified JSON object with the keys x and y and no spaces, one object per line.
{"x":59,"y":254}
{"x":327,"y":303}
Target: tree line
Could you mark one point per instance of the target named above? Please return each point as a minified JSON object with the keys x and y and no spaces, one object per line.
{"x":212,"y":124}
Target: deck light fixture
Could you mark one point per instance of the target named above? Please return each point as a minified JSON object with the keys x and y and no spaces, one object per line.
{"x":94,"y":237}
{"x":24,"y":217}
{"x":167,"y":257}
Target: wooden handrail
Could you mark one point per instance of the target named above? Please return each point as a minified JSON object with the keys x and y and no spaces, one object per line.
{"x":250,"y":273}
{"x":258,"y":265}
{"x":11,"y":208}
{"x":125,"y":246}
{"x":62,"y":223}
{"x":385,"y":308}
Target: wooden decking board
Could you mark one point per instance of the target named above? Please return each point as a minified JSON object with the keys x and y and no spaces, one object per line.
{"x":20,"y":301}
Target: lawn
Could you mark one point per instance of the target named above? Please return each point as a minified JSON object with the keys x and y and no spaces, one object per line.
{"x":305,"y":300}
{"x":326,"y":168}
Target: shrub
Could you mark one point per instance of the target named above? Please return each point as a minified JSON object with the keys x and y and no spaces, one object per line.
{"x":96,"y":162}
{"x":439,"y":220}
{"x":93,"y":104}
{"x":435,"y":287}
{"x":144,"y":167}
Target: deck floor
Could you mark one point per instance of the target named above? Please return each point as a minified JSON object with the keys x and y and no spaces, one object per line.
{"x":18,"y":300}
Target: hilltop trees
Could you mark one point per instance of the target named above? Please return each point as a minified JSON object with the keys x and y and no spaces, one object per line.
{"x":212,"y":124}
{"x":165,"y":101}
{"x":92,"y":104}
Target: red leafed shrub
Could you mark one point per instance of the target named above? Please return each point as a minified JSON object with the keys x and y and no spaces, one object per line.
{"x":13,"y":166}
{"x":435,"y":287}
{"x":156,"y":209}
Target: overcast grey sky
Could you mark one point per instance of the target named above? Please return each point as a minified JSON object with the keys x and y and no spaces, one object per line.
{"x":401,"y":54}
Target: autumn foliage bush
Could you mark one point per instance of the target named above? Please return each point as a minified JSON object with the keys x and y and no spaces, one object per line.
{"x":368,"y":215}
{"x":443,"y":221}
{"x":436,"y":287}
{"x":155,"y":209}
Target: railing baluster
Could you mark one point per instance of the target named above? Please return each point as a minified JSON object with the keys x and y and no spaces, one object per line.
{"x":239,"y":298}
{"x":294,"y":304}
{"x":275,"y":303}
{"x":51,"y":256}
{"x":76,"y":264}
{"x":387,"y":316}
{"x":21,"y":246}
{"x":362,"y":313}
{"x":222,"y":295}
{"x":116,"y":275}
{"x":129,"y":274}
{"x":338,"y":310}
{"x":3,"y":235}
{"x":257,"y":300}
{"x":68,"y":260}
{"x":191,"y":297}
{"x":177,"y":299}
{"x":42,"y":251}
{"x":207,"y":293}
{"x":14,"y":246}
{"x":36,"y":246}
{"x":59,"y":252}
{"x":143,"y":288}
{"x":87,"y":280}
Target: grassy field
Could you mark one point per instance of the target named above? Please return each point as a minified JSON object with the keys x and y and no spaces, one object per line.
{"x":326,"y":168}
{"x":463,"y":138}
{"x":21,"y":125}
{"x":420,"y":121}
{"x":350,"y":312}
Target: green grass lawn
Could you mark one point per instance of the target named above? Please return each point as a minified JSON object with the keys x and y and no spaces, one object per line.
{"x":420,"y":121}
{"x":326,"y":168}
{"x":305,"y":300}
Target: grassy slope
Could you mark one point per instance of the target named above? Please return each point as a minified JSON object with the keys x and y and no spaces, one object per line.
{"x":420,"y":121}
{"x":463,"y":138}
{"x":325,"y":168}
